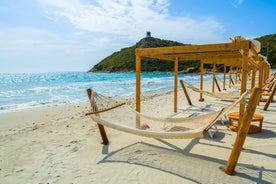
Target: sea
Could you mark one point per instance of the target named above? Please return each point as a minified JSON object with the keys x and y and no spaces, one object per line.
{"x":32,"y":90}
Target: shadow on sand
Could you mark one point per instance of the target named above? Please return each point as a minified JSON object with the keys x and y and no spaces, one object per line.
{"x":193,"y":167}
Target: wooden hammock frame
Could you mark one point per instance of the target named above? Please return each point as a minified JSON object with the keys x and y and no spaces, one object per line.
{"x":243,"y":54}
{"x":240,"y":53}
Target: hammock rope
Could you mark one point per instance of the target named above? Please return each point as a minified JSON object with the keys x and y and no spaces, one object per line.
{"x":180,"y":127}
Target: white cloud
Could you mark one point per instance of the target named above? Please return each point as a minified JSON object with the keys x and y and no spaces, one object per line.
{"x":25,"y":38}
{"x":132,"y":18}
{"x":236,"y":3}
{"x":32,"y":49}
{"x":100,"y":28}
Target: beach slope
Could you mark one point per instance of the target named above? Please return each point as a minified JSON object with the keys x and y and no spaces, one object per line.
{"x":61,"y":145}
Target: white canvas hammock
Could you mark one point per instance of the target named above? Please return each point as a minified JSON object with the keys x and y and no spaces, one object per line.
{"x":105,"y":113}
{"x":227,"y":96}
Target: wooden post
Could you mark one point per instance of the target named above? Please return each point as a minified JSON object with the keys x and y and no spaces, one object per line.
{"x":214,"y":78}
{"x":269,"y":100}
{"x":201,"y":99}
{"x":253,"y":78}
{"x":138,"y":89}
{"x":263,"y":72}
{"x":216,"y":82}
{"x":267,"y":71}
{"x":224,"y":77}
{"x":242,"y":132}
{"x":244,"y":81}
{"x":239,"y":73}
{"x":95,"y":108}
{"x":260,"y":82}
{"x":260,"y":85}
{"x":185,"y":92}
{"x":175,"y":83}
{"x":230,"y":77}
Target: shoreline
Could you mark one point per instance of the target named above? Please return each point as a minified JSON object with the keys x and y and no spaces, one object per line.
{"x":21,"y":97}
{"x":19,"y":120}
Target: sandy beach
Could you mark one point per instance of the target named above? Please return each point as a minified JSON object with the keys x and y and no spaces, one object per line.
{"x":61,"y":145}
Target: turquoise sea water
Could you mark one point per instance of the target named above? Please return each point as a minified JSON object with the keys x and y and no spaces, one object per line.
{"x":24,"y":91}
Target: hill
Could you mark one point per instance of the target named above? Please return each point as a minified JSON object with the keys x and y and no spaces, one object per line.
{"x":268,"y":49}
{"x":124,"y":60}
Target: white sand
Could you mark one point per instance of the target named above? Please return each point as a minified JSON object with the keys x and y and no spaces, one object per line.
{"x":61,"y":145}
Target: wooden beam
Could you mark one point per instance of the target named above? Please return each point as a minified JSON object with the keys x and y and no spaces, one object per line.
{"x":95,"y":108}
{"x":175,"y":83}
{"x":194,"y":48}
{"x":201,"y":99}
{"x":215,"y":55}
{"x":267,"y":70}
{"x":243,"y":82}
{"x":217,"y":84}
{"x":244,"y":126}
{"x":224,"y":77}
{"x":227,"y":61}
{"x":261,"y":71}
{"x":214,"y":78}
{"x":230,"y":77}
{"x":269,"y":100}
{"x":253,"y":78}
{"x":186,"y":93}
{"x":138,"y":89}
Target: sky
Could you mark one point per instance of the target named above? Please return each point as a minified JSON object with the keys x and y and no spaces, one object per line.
{"x":73,"y":35}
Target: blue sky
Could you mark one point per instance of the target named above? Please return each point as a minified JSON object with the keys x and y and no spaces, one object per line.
{"x":74,"y":35}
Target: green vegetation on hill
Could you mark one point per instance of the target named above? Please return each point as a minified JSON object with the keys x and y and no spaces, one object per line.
{"x":121,"y":61}
{"x":268,"y":49}
{"x":124,"y":60}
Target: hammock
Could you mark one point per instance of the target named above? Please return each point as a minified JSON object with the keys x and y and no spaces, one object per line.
{"x":221,"y":95}
{"x":105,"y":110}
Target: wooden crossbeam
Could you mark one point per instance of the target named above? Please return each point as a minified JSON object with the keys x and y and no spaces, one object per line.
{"x":194,"y":48}
{"x":197,"y":56}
